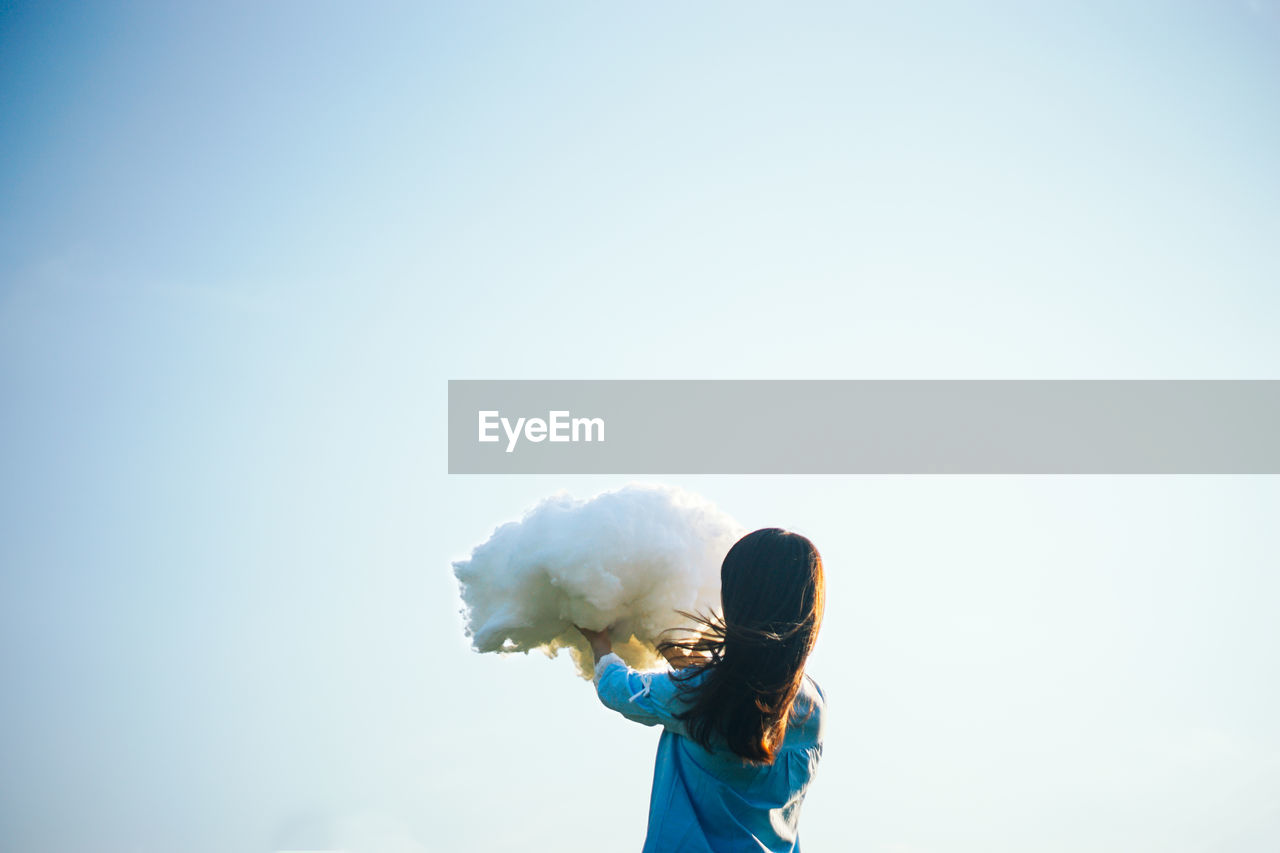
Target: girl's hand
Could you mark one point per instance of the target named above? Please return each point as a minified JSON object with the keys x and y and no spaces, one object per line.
{"x":601,"y":645}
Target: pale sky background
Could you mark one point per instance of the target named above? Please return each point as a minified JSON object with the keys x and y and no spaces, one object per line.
{"x":243,"y":247}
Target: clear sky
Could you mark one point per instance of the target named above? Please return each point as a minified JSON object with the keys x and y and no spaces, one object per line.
{"x":243,"y":246}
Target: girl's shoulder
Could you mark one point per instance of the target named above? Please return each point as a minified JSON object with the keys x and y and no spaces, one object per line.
{"x":809,"y":712}
{"x":810,"y":688}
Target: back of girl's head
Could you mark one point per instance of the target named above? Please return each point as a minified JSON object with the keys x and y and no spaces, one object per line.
{"x":771,"y":584}
{"x":772,"y":598}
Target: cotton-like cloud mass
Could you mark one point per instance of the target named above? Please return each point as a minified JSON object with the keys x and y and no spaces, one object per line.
{"x":628,"y":560}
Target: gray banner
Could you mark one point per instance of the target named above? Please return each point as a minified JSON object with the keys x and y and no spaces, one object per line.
{"x":864,"y":427}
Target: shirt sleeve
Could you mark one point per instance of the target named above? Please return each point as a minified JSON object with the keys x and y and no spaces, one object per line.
{"x":649,"y":698}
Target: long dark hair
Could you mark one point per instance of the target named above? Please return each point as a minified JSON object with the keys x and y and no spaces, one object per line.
{"x":772,"y":596}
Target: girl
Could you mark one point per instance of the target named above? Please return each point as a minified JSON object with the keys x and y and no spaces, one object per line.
{"x":742,"y":723}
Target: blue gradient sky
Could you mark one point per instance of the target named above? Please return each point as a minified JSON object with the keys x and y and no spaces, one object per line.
{"x":243,"y":247}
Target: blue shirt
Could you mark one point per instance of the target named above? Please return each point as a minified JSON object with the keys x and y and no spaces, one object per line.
{"x":711,"y":800}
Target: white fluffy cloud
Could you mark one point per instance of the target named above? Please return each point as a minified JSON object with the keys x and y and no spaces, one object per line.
{"x":627,"y":560}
